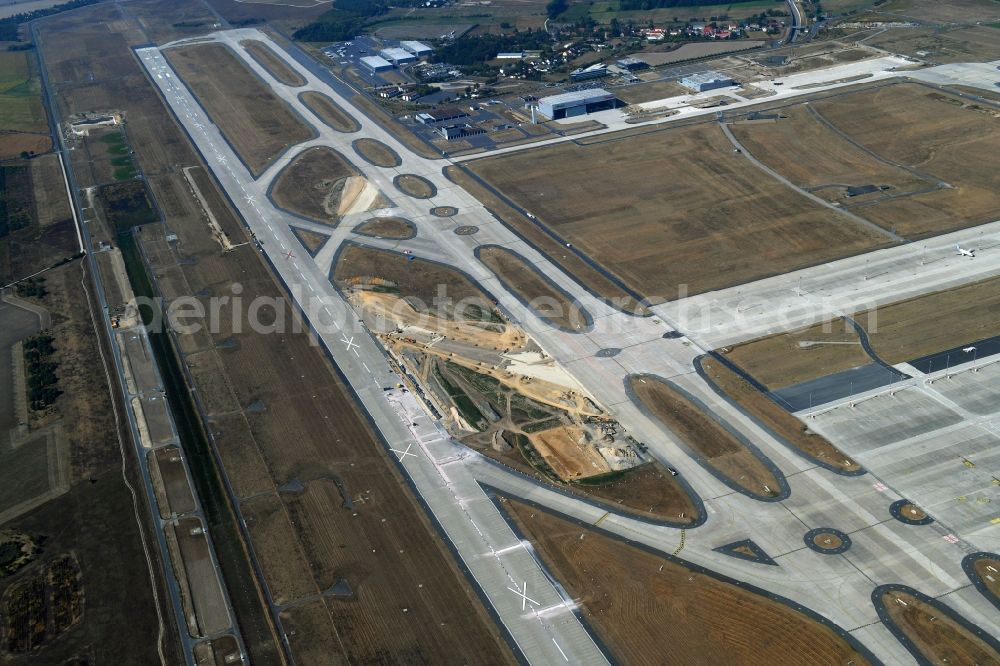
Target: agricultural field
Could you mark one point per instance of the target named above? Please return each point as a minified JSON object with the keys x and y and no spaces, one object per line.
{"x":329,"y":112}
{"x":548,"y":301}
{"x":273,"y":63}
{"x":652,"y":608}
{"x":23,"y":122}
{"x":735,"y":225}
{"x":953,"y":11}
{"x":318,"y":184}
{"x":711,"y":442}
{"x":258,"y":125}
{"x":774,"y":417}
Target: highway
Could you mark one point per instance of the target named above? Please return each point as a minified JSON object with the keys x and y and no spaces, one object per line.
{"x":447,"y":476}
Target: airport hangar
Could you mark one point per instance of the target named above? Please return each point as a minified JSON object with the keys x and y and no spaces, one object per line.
{"x":578,"y":103}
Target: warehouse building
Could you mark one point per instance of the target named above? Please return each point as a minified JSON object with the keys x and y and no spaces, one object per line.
{"x":633,"y":64}
{"x":577,"y":103}
{"x":398,"y":56}
{"x":441,"y":115}
{"x":419,"y":49}
{"x":460,"y":131}
{"x":595,"y":71}
{"x":376,"y":64}
{"x":703,"y":81}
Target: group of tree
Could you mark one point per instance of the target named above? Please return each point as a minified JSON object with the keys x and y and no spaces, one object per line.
{"x":33,"y":287}
{"x":342,"y":22}
{"x":645,"y":5}
{"x":41,"y":370}
{"x":9,"y":25}
{"x":470,"y":51}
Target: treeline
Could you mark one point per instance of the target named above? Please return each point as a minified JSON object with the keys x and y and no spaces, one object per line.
{"x":41,"y":371}
{"x":8,"y":26}
{"x":467,"y":51}
{"x":341,"y":23}
{"x":632,"y":5}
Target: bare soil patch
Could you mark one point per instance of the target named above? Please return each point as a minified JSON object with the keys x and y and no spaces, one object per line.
{"x":273,"y":63}
{"x":797,"y":356}
{"x":377,"y":153}
{"x":387,"y":227}
{"x":650,"y":609}
{"x":314,"y":184}
{"x":619,"y":201}
{"x":789,"y":428}
{"x":545,"y":299}
{"x":253,"y":119}
{"x":329,"y":112}
{"x":935,"y":634}
{"x":712,"y":443}
{"x":561,"y":449}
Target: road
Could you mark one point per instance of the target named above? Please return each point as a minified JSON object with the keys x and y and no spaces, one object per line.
{"x":446,"y":475}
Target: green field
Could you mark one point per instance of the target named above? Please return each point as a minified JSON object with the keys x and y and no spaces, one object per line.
{"x":603,"y":11}
{"x":20,"y":94}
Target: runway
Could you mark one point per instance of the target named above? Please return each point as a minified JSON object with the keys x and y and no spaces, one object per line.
{"x":446,"y":475}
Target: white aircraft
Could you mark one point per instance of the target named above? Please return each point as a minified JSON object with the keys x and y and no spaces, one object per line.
{"x":962,"y":252}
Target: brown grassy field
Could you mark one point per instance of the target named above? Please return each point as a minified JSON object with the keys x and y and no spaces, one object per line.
{"x":774,"y":417}
{"x":328,"y":111}
{"x":549,"y":302}
{"x":938,"y":134}
{"x":705,"y":437}
{"x":673,"y":212}
{"x":178,"y":493}
{"x":312,"y":184}
{"x":415,"y":186}
{"x":387,"y":227}
{"x":933,"y":322}
{"x":273,"y":63}
{"x":953,"y":11}
{"x":293,"y":420}
{"x":311,"y":240}
{"x":377,"y":153}
{"x":988,"y":566}
{"x":791,"y":146}
{"x":650,"y":609}
{"x":788,"y":358}
{"x":938,"y":638}
{"x":417,"y":279}
{"x":572,"y":264}
{"x":255,"y":121}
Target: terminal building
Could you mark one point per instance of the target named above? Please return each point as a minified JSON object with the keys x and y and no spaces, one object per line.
{"x":577,"y":103}
{"x":703,"y":81}
{"x":376,"y":64}
{"x":419,"y":49}
{"x":398,"y":56}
